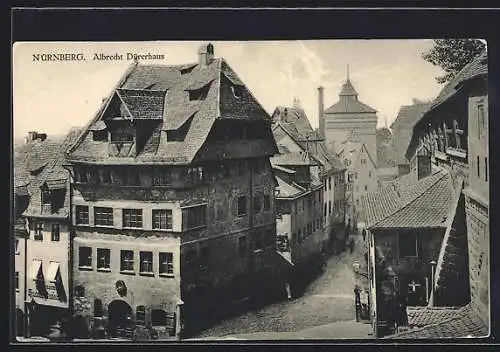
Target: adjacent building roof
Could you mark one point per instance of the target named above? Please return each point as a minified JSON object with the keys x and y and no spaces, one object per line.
{"x":54,"y":177}
{"x":293,"y":159}
{"x":409,"y":203}
{"x":163,"y":93}
{"x":477,"y":68}
{"x":348,"y":102}
{"x":449,"y":323}
{"x":349,"y":150}
{"x":287,"y":190}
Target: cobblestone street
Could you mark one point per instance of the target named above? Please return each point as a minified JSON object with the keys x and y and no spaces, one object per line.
{"x":328,"y":299}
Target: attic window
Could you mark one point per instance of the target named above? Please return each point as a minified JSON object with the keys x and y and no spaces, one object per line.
{"x":199,"y":94}
{"x":179,"y":134}
{"x":237,"y":91}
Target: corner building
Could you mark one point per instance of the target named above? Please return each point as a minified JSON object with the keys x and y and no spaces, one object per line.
{"x":173,"y":201}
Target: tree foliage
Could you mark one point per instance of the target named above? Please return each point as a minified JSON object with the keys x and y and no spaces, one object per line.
{"x":452,"y":55}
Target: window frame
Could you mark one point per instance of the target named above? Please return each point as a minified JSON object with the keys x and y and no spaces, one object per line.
{"x":101,"y":217}
{"x":78,"y":213}
{"x":146,"y":257}
{"x":132,"y":218}
{"x":157,"y":219}
{"x":168,"y":261}
{"x":107,"y":259}
{"x":127,"y":264}
{"x":199,"y":219}
{"x":38,"y":230}
{"x":89,"y":260}
{"x":399,"y":235}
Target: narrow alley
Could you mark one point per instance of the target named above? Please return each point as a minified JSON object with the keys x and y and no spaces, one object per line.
{"x":328,"y":299}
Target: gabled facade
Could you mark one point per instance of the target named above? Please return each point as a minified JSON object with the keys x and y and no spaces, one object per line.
{"x":44,"y":229}
{"x":361,"y":175}
{"x":293,"y":133}
{"x":173,"y":204}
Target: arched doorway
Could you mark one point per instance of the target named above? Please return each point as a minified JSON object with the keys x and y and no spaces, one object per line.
{"x":120,"y":317}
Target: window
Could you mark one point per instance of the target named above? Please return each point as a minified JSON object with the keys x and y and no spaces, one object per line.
{"x":366,"y":188}
{"x":82,"y":215}
{"x":257,"y":205}
{"x":481,"y":120}
{"x":45,"y":196}
{"x":132,"y":218}
{"x":478,"y":167}
{"x":199,"y":94}
{"x":146,"y":265}
{"x":282,"y":243}
{"x":81,"y":174}
{"x":140,"y":315}
{"x":105,"y":175}
{"x":103,"y":216}
{"x":162,"y":177}
{"x":369,"y":173}
{"x":195,"y":174}
{"x":38,"y":229}
{"x":158,"y":317}
{"x":486,"y":169}
{"x":196,"y":216}
{"x":133,"y":177}
{"x":407,"y":244}
{"x":242,"y":205}
{"x":103,"y":256}
{"x":329,"y":183}
{"x":257,"y":241}
{"x":98,"y":310}
{"x":242,"y":245}
{"x":85,"y":257}
{"x":16,"y":280}
{"x":55,"y":233}
{"x":166,"y":263}
{"x":267,"y":202}
{"x":162,"y":219}
{"x":79,"y":291}
{"x":127,"y":260}
{"x":357,"y":201}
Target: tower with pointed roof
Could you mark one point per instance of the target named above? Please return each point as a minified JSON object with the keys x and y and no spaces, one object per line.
{"x":349,"y":116}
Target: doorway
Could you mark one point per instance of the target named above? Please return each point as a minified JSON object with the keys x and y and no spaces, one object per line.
{"x":120,"y":318}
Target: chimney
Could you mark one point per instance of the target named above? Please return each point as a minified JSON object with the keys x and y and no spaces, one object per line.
{"x":205,"y":55}
{"x":321,"y":117}
{"x":424,"y":166}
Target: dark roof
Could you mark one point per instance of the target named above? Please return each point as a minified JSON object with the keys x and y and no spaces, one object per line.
{"x":463,"y":322}
{"x":409,"y":203}
{"x":53,"y":176}
{"x":423,"y":316}
{"x":478,"y":67}
{"x":171,"y":98}
{"x":295,"y":119}
{"x":143,"y":104}
{"x":348,"y":102}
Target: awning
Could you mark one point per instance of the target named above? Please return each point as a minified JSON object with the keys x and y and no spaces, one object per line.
{"x":55,"y":184}
{"x":52,"y":271}
{"x":36,"y":268}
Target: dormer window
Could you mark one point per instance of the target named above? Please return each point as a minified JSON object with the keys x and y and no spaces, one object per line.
{"x":187,"y":70}
{"x":237,"y":91}
{"x":45,"y":196}
{"x":197,"y":92}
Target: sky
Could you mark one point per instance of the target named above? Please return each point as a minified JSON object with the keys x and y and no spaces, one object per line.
{"x":53,"y":96}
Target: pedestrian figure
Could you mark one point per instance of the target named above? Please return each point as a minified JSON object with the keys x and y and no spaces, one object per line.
{"x":357,"y":302}
{"x":364,"y":235}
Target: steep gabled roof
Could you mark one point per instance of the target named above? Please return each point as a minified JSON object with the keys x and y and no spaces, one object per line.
{"x":287,"y":190}
{"x":351,"y":151}
{"x":293,"y":159}
{"x":148,"y":90}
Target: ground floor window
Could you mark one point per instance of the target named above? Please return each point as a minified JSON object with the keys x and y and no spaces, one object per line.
{"x":140,"y":315}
